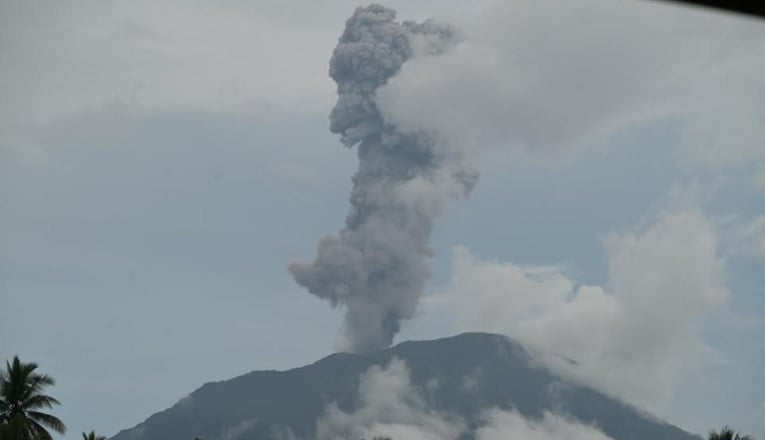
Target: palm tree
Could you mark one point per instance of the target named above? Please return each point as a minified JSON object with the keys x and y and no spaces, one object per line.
{"x":13,"y":429}
{"x":92,"y":436}
{"x":727,"y":433}
{"x":21,"y":398}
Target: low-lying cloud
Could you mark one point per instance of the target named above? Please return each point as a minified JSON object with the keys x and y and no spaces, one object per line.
{"x":632,"y":337}
{"x":503,"y":425}
{"x":392,"y":407}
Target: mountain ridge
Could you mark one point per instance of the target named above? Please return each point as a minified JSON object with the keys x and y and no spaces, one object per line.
{"x":268,"y":404}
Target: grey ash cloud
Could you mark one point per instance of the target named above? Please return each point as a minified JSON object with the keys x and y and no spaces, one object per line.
{"x":377,"y":265}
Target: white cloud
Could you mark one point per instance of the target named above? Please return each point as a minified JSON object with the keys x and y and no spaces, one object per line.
{"x":556,"y":76}
{"x":503,"y":425}
{"x":235,"y":432}
{"x":632,"y":337}
{"x":177,"y":56}
{"x":540,"y":76}
{"x":392,"y":407}
{"x":87,"y":57}
{"x":257,"y":59}
{"x":472,"y":380}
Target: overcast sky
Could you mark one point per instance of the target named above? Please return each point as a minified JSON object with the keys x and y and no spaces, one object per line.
{"x":161,"y":163}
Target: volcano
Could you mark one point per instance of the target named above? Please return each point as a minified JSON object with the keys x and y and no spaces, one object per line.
{"x":501,"y":373}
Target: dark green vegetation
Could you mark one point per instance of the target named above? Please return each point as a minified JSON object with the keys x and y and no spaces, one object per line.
{"x":21,"y":399}
{"x":92,"y":436}
{"x":264,"y":403}
{"x":728,"y":434}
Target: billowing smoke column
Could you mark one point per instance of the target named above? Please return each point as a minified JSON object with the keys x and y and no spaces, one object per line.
{"x":378,"y":264}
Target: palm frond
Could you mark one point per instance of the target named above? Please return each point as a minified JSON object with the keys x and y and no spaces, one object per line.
{"x":727,"y":433}
{"x":35,"y":384}
{"x":21,"y":393}
{"x":40,"y":401}
{"x":48,"y":420}
{"x":38,"y":432}
{"x":92,"y":436}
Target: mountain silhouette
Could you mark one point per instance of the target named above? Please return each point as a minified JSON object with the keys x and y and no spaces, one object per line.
{"x":267,"y":404}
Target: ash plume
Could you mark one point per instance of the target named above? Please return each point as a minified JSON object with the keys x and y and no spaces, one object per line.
{"x":377,"y":265}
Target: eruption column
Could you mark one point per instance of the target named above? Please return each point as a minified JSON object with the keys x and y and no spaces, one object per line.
{"x":378,"y":264}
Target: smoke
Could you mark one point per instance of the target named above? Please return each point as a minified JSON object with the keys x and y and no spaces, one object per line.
{"x":643,"y":322}
{"x":501,"y":425}
{"x":391,"y":406}
{"x":377,"y":265}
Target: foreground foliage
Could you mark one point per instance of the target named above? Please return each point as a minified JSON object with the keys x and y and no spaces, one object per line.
{"x":92,"y":436}
{"x":21,"y":399}
{"x":726,"y":433}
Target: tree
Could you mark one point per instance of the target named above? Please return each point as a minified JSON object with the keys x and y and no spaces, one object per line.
{"x":21,"y":398}
{"x":13,"y":429}
{"x":92,"y":436}
{"x":727,"y":433}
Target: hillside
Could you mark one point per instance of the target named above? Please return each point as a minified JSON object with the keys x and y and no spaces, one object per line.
{"x":266,"y":404}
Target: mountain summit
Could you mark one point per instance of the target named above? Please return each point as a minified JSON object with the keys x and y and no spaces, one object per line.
{"x":462,"y":376}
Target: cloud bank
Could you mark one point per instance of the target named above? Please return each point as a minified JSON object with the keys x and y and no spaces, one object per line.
{"x":632,"y":337}
{"x":551,"y":78}
{"x":392,"y":407}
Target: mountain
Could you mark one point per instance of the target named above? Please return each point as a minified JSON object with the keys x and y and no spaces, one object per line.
{"x":262,"y":404}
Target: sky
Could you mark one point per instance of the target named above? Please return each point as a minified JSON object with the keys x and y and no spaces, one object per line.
{"x":162,"y":163}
